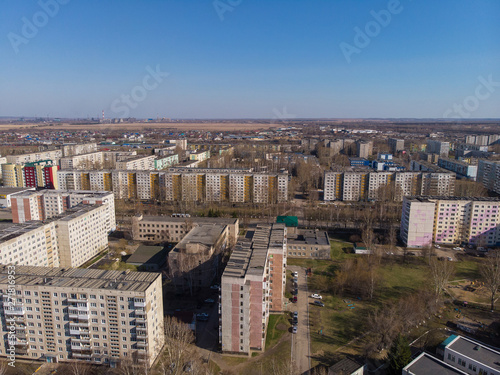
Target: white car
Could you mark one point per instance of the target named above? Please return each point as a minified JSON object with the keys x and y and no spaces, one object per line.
{"x":317,"y":296}
{"x":295,"y":274}
{"x":457,"y":248}
{"x":437,"y":246}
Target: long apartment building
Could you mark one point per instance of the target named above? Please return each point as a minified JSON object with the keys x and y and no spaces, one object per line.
{"x":461,"y":168}
{"x":54,"y":155}
{"x":488,"y":174}
{"x":34,"y":174}
{"x":68,"y":240}
{"x":45,"y":204}
{"x":363,"y":184}
{"x":185,"y":184}
{"x":71,"y":149}
{"x":140,"y":163}
{"x":98,"y":316}
{"x":438,"y":147}
{"x":252,"y":285}
{"x":450,"y":220}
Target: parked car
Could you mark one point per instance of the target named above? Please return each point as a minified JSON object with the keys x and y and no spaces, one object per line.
{"x":294,"y":329}
{"x":202,"y":316}
{"x":295,"y":291}
{"x":294,"y":299}
{"x":295,"y":280}
{"x":215,"y":287}
{"x":295,"y":314}
{"x":209,"y":300}
{"x":457,"y":248}
{"x":295,"y":274}
{"x":437,"y":246}
{"x":317,"y":296}
{"x":319,"y":303}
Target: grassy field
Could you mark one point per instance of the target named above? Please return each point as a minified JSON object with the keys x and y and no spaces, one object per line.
{"x":277,"y":326}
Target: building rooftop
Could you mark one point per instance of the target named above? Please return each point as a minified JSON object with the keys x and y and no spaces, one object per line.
{"x":148,"y":255}
{"x":197,"y":220}
{"x":476,"y":351}
{"x":86,"y":193}
{"x":426,"y":364}
{"x":310,"y":237}
{"x":345,"y":366}
{"x":428,"y":198}
{"x":206,"y":234}
{"x":249,"y":256}
{"x":16,"y":230}
{"x":73,"y":213}
{"x":80,"y":278}
{"x":14,"y":190}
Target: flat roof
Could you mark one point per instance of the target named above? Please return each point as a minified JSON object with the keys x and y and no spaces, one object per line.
{"x":428,"y":198}
{"x":14,"y":190}
{"x":148,"y":254}
{"x":477,"y":351}
{"x":86,"y":193}
{"x":250,"y":253}
{"x":426,"y":364}
{"x":73,"y":213}
{"x":206,"y":234}
{"x":203,"y":220}
{"x":311,"y":237}
{"x":80,"y":278}
{"x":15,"y":230}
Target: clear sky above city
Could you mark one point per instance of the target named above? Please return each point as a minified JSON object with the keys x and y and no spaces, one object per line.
{"x":250,"y":58}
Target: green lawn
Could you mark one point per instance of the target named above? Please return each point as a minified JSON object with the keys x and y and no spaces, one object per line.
{"x":274,"y":333}
{"x":467,"y":269}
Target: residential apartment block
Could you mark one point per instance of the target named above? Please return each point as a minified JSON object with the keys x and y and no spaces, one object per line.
{"x":396,"y":145}
{"x":54,"y":155}
{"x":141,"y":163}
{"x":68,"y":240}
{"x":450,"y":220}
{"x":488,"y":174}
{"x":45,"y":204}
{"x":364,"y":184}
{"x":461,"y":168}
{"x":186,"y":184}
{"x":438,"y":147}
{"x":34,"y":174}
{"x":62,"y":314}
{"x":71,"y":149}
{"x":252,"y":284}
{"x":364,"y":149}
{"x":200,"y":155}
{"x":482,"y":140}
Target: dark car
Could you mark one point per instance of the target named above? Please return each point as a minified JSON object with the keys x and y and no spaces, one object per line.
{"x":319,"y":303}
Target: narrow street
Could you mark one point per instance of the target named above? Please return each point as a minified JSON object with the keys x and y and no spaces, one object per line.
{"x":300,"y":341}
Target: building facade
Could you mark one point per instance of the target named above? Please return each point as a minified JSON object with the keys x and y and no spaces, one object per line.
{"x":454,"y":220}
{"x":252,"y":285}
{"x":100,"y":316}
{"x":488,"y":174}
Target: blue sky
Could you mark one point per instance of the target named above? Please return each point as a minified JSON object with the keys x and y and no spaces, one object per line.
{"x":249,"y":58}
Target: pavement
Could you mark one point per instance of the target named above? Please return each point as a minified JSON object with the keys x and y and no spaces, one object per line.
{"x":300,"y":352}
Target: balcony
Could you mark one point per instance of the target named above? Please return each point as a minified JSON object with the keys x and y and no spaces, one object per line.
{"x":139,"y":304}
{"x":79,"y":316}
{"x":142,"y":337}
{"x":80,"y":347}
{"x":140,"y":312}
{"x":81,"y":355}
{"x":78,"y":331}
{"x":14,"y":310}
{"x":76,"y":300}
{"x":81,"y":340}
{"x":140,"y":320}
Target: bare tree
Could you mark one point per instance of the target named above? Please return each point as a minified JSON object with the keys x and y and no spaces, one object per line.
{"x":490,"y":272}
{"x":178,"y":351}
{"x":441,"y":271}
{"x":3,"y":368}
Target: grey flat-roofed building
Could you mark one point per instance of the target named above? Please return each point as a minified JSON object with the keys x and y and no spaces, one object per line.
{"x":309,"y":244}
{"x":425,"y":364}
{"x":472,"y":356}
{"x":148,"y":258}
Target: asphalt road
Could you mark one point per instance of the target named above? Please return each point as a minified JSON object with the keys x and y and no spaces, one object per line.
{"x":300,"y":341}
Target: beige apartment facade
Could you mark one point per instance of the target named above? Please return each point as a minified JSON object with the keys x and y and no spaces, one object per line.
{"x":97,"y":316}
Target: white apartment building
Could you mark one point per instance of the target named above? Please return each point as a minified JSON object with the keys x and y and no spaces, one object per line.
{"x":141,"y":163}
{"x":378,"y":181}
{"x":98,"y":316}
{"x":83,"y":161}
{"x":354,"y":186}
{"x":405,"y":184}
{"x":488,"y":174}
{"x":81,"y":235}
{"x":31,"y":244}
{"x":45,"y":204}
{"x":450,"y":220}
{"x":54,"y":155}
{"x":332,"y":186}
{"x":239,"y":187}
{"x":72,"y":149}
